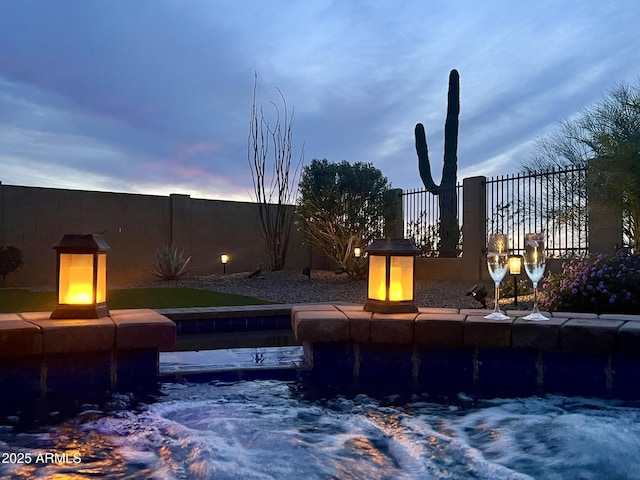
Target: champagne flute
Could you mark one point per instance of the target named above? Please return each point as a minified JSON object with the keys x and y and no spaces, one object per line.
{"x":534,"y":265}
{"x":498,"y":263}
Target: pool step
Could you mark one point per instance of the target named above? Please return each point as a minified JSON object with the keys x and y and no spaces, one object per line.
{"x":282,"y":363}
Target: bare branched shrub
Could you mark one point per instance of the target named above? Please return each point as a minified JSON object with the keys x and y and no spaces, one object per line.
{"x":274,"y":191}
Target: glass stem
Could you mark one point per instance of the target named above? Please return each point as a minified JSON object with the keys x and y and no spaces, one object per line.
{"x":535,"y":297}
{"x":497,"y":296}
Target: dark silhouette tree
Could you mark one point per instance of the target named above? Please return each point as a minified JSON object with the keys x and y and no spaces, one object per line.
{"x":10,"y":261}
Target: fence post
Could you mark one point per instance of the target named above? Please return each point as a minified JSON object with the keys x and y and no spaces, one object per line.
{"x":474,"y":227}
{"x":604,"y":210}
{"x":393,"y":215}
{"x":180,"y":218}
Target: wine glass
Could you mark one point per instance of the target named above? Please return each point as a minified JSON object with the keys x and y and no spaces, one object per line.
{"x":498,"y":263}
{"x":534,"y":265}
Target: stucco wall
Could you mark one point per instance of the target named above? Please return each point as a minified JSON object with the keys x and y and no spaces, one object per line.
{"x":135,"y":226}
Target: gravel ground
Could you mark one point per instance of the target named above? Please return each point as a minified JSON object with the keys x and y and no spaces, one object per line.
{"x":292,"y":287}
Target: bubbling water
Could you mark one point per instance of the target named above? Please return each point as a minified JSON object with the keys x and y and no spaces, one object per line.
{"x":272,"y":430}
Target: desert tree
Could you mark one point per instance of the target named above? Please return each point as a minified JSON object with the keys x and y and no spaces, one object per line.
{"x":270,"y":150}
{"x":604,"y":137}
{"x":340,"y":208}
{"x":10,"y":260}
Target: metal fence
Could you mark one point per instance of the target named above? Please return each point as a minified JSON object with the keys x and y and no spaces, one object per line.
{"x":553,"y":202}
{"x":422,"y":219}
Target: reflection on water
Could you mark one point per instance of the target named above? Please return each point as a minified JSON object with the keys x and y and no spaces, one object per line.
{"x":271,"y":430}
{"x":231,"y":359}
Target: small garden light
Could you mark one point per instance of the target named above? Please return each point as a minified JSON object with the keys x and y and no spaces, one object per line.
{"x":357,"y":252}
{"x":515,"y":264}
{"x":224,"y":259}
{"x":81,"y":277}
{"x":515,"y":268}
{"x":391,"y":276}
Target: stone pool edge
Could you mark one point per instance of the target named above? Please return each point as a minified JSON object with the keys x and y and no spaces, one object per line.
{"x":437,"y":349}
{"x":440,"y":350}
{"x":61,"y":362}
{"x":445,"y":351}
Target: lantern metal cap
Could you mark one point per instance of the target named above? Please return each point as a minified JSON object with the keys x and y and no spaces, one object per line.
{"x":393,"y":246}
{"x":90,"y":242}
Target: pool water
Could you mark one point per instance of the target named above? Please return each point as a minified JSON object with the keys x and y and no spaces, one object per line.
{"x":273,"y":430}
{"x":231,"y":359}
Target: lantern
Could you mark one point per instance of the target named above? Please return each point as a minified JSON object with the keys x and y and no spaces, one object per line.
{"x":81,"y":277}
{"x":357,"y":252}
{"x":224,"y":259}
{"x":515,"y":264}
{"x":515,"y":268}
{"x":391,"y":276}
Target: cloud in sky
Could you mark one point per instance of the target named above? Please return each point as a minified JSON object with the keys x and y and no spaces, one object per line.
{"x":154,"y":96}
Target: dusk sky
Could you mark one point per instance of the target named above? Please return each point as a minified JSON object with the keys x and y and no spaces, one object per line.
{"x":154,"y":96}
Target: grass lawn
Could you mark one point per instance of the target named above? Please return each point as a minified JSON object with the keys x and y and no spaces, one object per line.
{"x":17,"y":300}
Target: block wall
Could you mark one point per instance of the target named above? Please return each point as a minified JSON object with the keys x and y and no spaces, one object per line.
{"x":135,"y":226}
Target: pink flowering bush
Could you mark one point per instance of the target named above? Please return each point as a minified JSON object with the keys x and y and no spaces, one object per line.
{"x":596,"y":284}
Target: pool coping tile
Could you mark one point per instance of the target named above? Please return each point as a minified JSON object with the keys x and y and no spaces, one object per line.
{"x":589,"y":335}
{"x":440,"y":329}
{"x":529,"y":334}
{"x":486,"y":332}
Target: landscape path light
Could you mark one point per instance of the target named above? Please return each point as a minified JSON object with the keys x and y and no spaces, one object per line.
{"x":224,"y":259}
{"x":81,"y":283}
{"x":515,"y":269}
{"x":391,"y":276}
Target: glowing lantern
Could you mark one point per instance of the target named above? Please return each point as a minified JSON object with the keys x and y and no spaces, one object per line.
{"x":515,"y":264}
{"x":357,"y":252}
{"x":391,"y":276}
{"x":82,"y":277}
{"x":224,"y":259}
{"x":515,"y":268}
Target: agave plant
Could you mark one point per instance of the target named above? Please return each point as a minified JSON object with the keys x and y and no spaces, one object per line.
{"x":170,"y":263}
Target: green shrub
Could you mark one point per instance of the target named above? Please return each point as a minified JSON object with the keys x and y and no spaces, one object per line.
{"x":170,"y":263}
{"x":596,"y":284}
{"x":340,"y":209}
{"x":10,"y":261}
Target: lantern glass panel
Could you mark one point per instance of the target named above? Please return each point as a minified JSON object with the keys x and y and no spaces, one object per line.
{"x":401,"y":279}
{"x":377,"y":277}
{"x":515,"y":265}
{"x":101,"y":290}
{"x":76,"y":279}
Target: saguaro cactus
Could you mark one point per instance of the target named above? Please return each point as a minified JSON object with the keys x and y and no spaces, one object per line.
{"x":446,"y":191}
